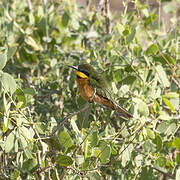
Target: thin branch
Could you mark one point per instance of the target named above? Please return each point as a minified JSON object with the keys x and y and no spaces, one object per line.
{"x":39,"y":171}
{"x":98,"y":8}
{"x":69,"y":117}
{"x":107,"y":6}
{"x":164,"y":173}
{"x":30,"y":6}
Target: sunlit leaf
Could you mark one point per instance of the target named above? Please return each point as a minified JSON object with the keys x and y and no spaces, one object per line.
{"x":162,"y":76}
{"x":65,"y":19}
{"x":64,"y":160}
{"x":8,"y":83}
{"x":9,"y":143}
{"x":65,"y":139}
{"x":3,"y":60}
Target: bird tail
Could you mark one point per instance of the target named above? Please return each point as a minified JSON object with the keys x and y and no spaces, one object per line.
{"x":107,"y":102}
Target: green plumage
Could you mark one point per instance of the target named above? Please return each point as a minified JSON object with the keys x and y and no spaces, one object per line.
{"x":96,"y":81}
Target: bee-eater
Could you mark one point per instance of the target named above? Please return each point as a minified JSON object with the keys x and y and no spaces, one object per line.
{"x":93,"y":87}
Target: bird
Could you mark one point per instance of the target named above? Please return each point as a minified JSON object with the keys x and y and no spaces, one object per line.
{"x":94,"y":88}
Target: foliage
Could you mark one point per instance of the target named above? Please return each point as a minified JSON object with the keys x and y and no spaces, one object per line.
{"x":48,"y":130}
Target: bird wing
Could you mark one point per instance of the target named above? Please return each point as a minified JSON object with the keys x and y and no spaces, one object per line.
{"x":98,"y":83}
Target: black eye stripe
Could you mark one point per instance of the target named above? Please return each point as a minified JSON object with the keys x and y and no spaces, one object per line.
{"x":84,"y":71}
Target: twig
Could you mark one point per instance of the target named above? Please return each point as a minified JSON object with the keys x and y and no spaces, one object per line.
{"x":39,"y":171}
{"x":99,"y":6}
{"x":30,"y":6}
{"x":69,"y":117}
{"x":160,"y":52}
{"x":164,"y":173}
{"x":107,"y":5}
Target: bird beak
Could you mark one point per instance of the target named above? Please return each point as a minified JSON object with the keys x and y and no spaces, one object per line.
{"x":74,"y":67}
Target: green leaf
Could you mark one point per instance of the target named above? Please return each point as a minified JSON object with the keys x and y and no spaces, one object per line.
{"x":158,"y":142}
{"x":152,"y":50}
{"x":30,"y":91}
{"x":94,"y":140}
{"x":171,"y":128}
{"x":172,"y":95}
{"x":31,"y":42}
{"x":176,"y":142}
{"x":8,"y":83}
{"x":65,"y":19}
{"x":28,"y":133}
{"x":150,"y":133}
{"x":105,"y":152}
{"x":3,"y":60}
{"x":168,"y":103}
{"x":126,"y":155}
{"x":79,"y":159}
{"x":161,"y":161}
{"x":132,"y":35}
{"x":29,"y":164}
{"x":9,"y":143}
{"x":178,"y":174}
{"x":21,"y":97}
{"x":143,"y":108}
{"x":178,"y":159}
{"x":15,"y":174}
{"x":64,"y":160}
{"x":53,"y":62}
{"x":65,"y":139}
{"x":162,"y":76}
{"x":11,"y":52}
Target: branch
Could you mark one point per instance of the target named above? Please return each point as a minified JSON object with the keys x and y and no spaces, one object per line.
{"x":107,"y":5}
{"x":99,"y":6}
{"x":69,"y":117}
{"x":39,"y":171}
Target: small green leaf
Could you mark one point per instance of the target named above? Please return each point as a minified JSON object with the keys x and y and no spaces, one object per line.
{"x":8,"y":83}
{"x":143,"y":108}
{"x":11,"y":52}
{"x":172,"y":95}
{"x":158,"y":142}
{"x":15,"y":174}
{"x":168,"y":103}
{"x":65,"y":139}
{"x":132,"y":35}
{"x":63,"y":160}
{"x":29,"y":164}
{"x":162,"y":76}
{"x":161,"y":161}
{"x":176,"y":142}
{"x":152,"y":49}
{"x":150,"y":133}
{"x":105,"y":152}
{"x":65,"y":19}
{"x":79,"y":159}
{"x":3,"y":60}
{"x":21,"y":98}
{"x":94,"y":140}
{"x":126,"y":155}
{"x":178,"y":159}
{"x":53,"y":62}
{"x":9,"y":143}
{"x":178,"y":174}
{"x":31,"y":42}
{"x":30,"y":91}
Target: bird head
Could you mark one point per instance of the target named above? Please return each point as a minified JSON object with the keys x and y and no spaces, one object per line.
{"x":86,"y":71}
{"x":83,"y":70}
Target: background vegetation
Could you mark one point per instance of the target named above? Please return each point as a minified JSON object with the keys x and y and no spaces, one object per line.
{"x":48,"y":131}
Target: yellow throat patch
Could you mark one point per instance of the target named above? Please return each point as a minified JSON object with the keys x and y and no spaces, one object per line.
{"x":82,"y":75}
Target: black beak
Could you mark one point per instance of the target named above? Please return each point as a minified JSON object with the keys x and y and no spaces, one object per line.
{"x":74,"y":67}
